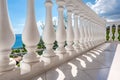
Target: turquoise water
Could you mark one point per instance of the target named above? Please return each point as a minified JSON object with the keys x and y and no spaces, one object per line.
{"x":18,"y":42}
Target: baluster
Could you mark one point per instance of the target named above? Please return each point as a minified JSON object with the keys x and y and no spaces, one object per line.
{"x":76,"y":31}
{"x":81,"y":39}
{"x":30,"y":35}
{"x":116,"y":33}
{"x":7,"y":38}
{"x":110,"y":33}
{"x":70,"y":34}
{"x":61,"y":32}
{"x":85,"y":32}
{"x":48,"y":32}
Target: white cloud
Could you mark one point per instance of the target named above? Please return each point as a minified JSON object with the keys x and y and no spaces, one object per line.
{"x":18,"y":30}
{"x":40,"y":23}
{"x":55,"y":20}
{"x":21,"y":24}
{"x":107,"y":8}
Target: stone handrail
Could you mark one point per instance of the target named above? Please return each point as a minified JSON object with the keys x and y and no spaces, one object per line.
{"x":87,"y":33}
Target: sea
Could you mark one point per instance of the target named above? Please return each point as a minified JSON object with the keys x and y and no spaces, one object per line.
{"x":18,"y":42}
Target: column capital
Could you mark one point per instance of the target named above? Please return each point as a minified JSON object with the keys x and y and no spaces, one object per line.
{"x":48,"y":3}
{"x":69,"y":7}
{"x":76,"y":11}
{"x":60,"y":2}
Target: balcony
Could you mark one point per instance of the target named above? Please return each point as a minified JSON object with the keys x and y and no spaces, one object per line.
{"x":81,"y":53}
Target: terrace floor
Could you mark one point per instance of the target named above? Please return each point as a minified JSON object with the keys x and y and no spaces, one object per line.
{"x":97,"y":64}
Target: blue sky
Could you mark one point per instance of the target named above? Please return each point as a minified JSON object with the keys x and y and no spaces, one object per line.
{"x":17,"y":11}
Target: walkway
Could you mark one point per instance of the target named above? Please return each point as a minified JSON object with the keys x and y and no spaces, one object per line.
{"x":93,"y":65}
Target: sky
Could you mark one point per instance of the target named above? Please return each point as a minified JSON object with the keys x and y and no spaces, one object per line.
{"x":108,"y":9}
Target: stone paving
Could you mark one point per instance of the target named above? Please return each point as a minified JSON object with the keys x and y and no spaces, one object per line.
{"x":93,"y":65}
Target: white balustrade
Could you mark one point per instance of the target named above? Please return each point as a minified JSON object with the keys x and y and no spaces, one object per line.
{"x":81,"y":38}
{"x":110,"y":33}
{"x":116,"y":33}
{"x":48,"y":32}
{"x":70,"y":34}
{"x":30,"y":35}
{"x":85,"y":32}
{"x":61,"y":32}
{"x":92,"y":36}
{"x":88,"y":32}
{"x":76,"y":31}
{"x":7,"y":38}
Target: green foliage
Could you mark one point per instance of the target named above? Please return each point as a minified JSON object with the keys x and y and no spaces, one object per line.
{"x":40,"y":52}
{"x":113,"y":32}
{"x":55,"y":45}
{"x":119,"y":37}
{"x":41,"y":45}
{"x":107,"y":34}
{"x":23,"y":48}
{"x":15,"y":51}
{"x":18,"y":64}
{"x":113,"y":37}
{"x":11,"y":56}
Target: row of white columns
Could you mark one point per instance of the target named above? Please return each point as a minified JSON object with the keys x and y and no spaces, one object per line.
{"x":111,"y":33}
{"x":85,"y":34}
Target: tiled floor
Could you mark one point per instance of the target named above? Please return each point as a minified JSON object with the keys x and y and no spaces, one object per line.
{"x":94,"y":65}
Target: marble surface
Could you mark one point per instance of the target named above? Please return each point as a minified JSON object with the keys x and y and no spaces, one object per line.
{"x":93,"y":65}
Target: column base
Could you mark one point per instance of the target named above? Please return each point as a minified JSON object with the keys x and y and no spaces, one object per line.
{"x":60,"y":50}
{"x":9,"y":66}
{"x":28,"y":69}
{"x":32,"y":57}
{"x":77,"y":48}
{"x":11,"y":74}
{"x":69,"y":48}
{"x":82,"y":47}
{"x":50,"y":61}
{"x":48,"y":53}
{"x":63,"y":57}
{"x":85,"y":46}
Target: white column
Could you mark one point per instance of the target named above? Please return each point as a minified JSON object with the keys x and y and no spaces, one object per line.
{"x":61,"y":32}
{"x":116,"y":33}
{"x":7,"y":38}
{"x":110,"y":33}
{"x":70,"y":34}
{"x":104,"y":37}
{"x":48,"y":32}
{"x":76,"y":31}
{"x":30,"y":35}
{"x":94,"y":34}
{"x":85,"y":32}
{"x":89,"y":33}
{"x":81,"y":38}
